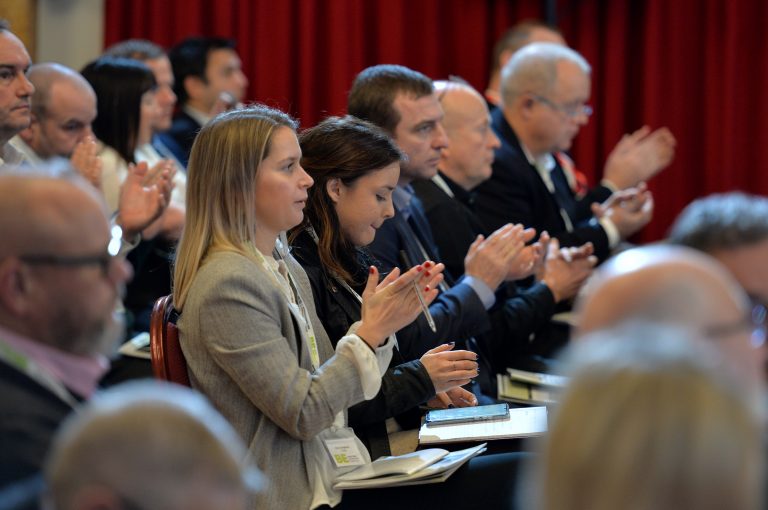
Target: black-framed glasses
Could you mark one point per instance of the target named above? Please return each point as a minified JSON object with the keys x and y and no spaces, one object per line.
{"x":754,"y":321}
{"x":570,"y":111}
{"x":103,"y":260}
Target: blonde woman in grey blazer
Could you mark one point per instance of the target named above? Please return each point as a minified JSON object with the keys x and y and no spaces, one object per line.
{"x":248,"y":327}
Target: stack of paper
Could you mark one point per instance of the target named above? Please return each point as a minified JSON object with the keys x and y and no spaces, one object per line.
{"x":523,"y":422}
{"x":532,"y":388}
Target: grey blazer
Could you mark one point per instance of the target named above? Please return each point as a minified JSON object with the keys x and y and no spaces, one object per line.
{"x":244,"y":352}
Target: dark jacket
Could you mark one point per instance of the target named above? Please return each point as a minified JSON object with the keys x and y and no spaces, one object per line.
{"x":515,"y":193}
{"x":405,"y":385}
{"x":181,"y":136}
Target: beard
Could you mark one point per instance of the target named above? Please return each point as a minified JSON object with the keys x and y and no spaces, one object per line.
{"x":97,"y":337}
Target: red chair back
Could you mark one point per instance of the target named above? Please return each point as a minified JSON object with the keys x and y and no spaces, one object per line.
{"x":168,"y":361}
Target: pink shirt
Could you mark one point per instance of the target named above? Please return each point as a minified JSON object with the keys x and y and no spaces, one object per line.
{"x":79,"y":374}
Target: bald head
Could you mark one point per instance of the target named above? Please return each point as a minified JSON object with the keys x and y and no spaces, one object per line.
{"x":41,"y":214}
{"x":673,"y":285}
{"x":148,"y":445}
{"x":58,"y":284}
{"x":471,"y":141}
{"x":63,"y":107}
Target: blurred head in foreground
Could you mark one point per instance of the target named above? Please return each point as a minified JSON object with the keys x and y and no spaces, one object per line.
{"x":650,"y":421}
{"x":148,"y":445}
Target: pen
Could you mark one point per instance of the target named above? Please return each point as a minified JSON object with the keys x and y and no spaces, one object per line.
{"x":424,"y":308}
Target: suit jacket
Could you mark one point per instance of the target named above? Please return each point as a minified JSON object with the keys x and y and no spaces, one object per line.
{"x":181,"y":136}
{"x":458,"y":313}
{"x":244,"y":351}
{"x":519,"y":315}
{"x":29,"y":418}
{"x":515,"y":193}
{"x":404,"y":386}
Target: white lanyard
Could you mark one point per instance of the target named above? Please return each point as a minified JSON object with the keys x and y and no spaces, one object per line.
{"x":297,"y":307}
{"x":440,"y":183}
{"x":36,"y":373}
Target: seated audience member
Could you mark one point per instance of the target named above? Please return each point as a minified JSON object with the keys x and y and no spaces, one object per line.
{"x":208,"y":80}
{"x":678,"y":286}
{"x":63,"y":108}
{"x":59,"y":285}
{"x":355,"y":166}
{"x":126,"y":90}
{"x":252,"y":339}
{"x":148,"y":445}
{"x":157,"y":60}
{"x":523,"y":33}
{"x":449,"y":201}
{"x":650,"y":421}
{"x":545,"y":88}
{"x":732,"y":228}
{"x":16,"y":92}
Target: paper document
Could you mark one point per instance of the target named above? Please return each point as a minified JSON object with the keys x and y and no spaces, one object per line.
{"x":432,"y":473}
{"x":523,"y":422}
{"x":558,"y":381}
{"x":524,"y":393}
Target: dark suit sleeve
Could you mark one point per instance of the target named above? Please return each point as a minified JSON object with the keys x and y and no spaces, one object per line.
{"x":513,"y":196}
{"x":515,"y":320}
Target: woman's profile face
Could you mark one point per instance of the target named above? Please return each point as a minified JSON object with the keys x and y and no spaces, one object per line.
{"x":281,"y":185}
{"x":363,"y":206}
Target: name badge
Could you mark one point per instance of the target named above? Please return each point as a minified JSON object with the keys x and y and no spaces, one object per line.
{"x":345,"y":452}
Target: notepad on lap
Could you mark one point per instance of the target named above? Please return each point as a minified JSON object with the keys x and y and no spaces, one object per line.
{"x":425,"y":466}
{"x":523,"y":422}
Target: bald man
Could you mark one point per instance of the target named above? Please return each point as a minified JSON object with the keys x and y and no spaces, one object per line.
{"x":676,"y":285}
{"x":15,"y":92}
{"x":522,"y":330}
{"x":59,"y":284}
{"x":63,"y":108}
{"x":149,"y":445}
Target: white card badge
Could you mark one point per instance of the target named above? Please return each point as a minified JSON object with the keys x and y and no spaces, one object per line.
{"x":345,"y":452}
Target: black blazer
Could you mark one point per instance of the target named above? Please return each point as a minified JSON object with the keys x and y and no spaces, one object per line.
{"x":405,"y":385}
{"x":515,"y":193}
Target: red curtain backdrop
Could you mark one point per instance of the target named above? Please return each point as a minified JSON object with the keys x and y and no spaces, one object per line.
{"x":697,"y":66}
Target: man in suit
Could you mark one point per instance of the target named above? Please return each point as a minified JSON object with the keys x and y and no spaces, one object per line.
{"x":208,"y":81}
{"x":60,"y":281}
{"x":545,"y":88}
{"x":448,"y":201}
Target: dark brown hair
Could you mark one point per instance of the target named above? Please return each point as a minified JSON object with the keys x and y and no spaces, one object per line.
{"x":346,"y":149}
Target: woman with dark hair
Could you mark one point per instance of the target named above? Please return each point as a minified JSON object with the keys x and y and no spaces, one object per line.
{"x":125,"y":94}
{"x":355,"y":167}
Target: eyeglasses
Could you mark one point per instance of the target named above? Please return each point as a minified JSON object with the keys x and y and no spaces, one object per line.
{"x":754,"y":321}
{"x":570,"y":111}
{"x":103,"y":260}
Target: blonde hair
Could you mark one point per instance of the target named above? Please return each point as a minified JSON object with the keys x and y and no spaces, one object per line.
{"x":221,"y":178}
{"x":649,"y":422}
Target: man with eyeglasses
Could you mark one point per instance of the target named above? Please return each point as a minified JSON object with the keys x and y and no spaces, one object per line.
{"x":678,"y":286}
{"x":60,"y":282}
{"x":545,"y":88}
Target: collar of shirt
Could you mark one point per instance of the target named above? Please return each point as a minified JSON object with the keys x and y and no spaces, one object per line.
{"x":200,"y":117}
{"x":401,"y":198}
{"x":81,"y":374}
{"x":544,"y":165}
{"x":10,"y":155}
{"x":456,"y":191}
